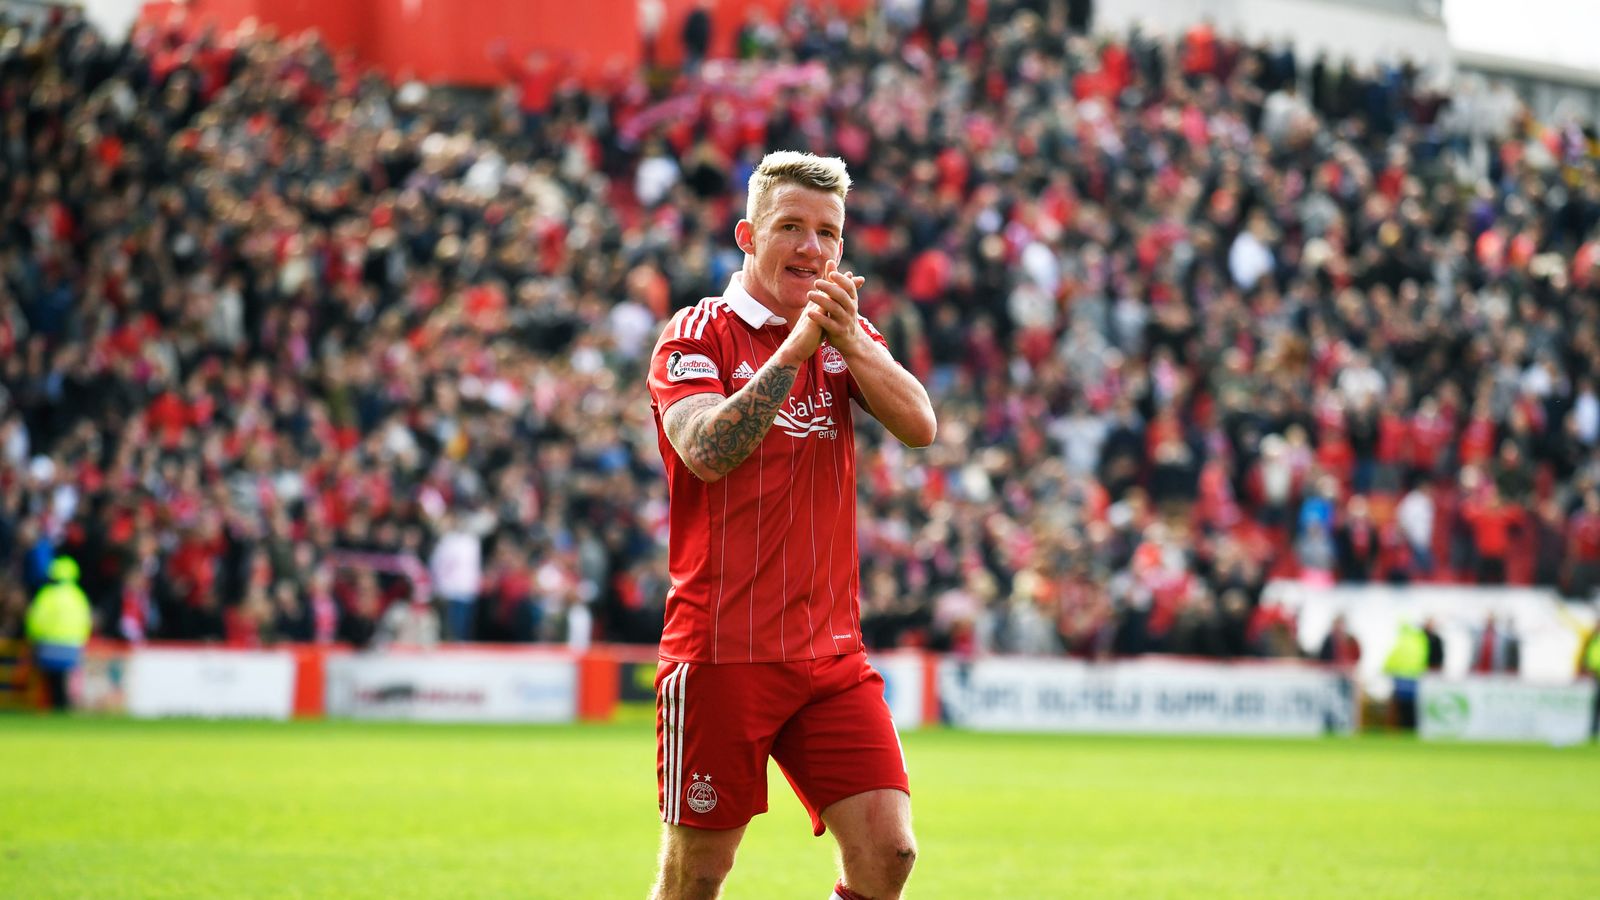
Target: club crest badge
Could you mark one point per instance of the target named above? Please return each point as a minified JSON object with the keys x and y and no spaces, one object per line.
{"x":832,"y":360}
{"x":701,"y":795}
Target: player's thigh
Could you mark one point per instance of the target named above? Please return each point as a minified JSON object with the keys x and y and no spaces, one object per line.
{"x":715,"y":725}
{"x":692,"y":855}
{"x":843,"y":743}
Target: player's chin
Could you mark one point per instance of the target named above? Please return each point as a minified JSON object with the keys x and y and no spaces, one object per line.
{"x":796,"y":298}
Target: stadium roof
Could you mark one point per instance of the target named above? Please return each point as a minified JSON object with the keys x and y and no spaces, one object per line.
{"x":1549,"y":38}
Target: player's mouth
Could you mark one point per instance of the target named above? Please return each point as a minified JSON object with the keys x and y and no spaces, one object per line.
{"x":804,"y":272}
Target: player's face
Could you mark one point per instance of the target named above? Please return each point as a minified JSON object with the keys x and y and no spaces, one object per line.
{"x":799,"y":230}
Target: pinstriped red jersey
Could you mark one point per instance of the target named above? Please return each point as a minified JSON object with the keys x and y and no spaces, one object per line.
{"x":763,"y":561}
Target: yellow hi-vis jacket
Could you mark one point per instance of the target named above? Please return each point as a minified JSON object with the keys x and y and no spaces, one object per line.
{"x":1409,"y":658}
{"x":60,"y":611}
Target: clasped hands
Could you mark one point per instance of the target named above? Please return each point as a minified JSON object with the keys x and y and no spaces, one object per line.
{"x":832,"y":306}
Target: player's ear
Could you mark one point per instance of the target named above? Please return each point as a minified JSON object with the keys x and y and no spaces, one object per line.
{"x":744,"y":234}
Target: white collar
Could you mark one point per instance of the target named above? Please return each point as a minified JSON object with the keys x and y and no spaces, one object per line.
{"x":752,"y":311}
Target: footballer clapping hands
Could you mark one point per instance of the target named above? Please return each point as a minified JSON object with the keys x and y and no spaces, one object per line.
{"x":833,"y":307}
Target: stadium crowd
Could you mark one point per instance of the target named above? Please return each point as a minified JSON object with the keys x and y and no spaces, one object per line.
{"x":284,"y":347}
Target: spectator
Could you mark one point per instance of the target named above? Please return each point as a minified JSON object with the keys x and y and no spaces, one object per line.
{"x":1583,"y":546}
{"x":410,"y":624}
{"x":1340,"y":647}
{"x":58,"y":627}
{"x":1589,"y":664}
{"x":1415,"y":515}
{"x":1497,"y":649}
{"x":1492,"y":522}
{"x":456,"y":570}
{"x":1358,"y":543}
{"x":1406,"y":663}
{"x":696,"y":35}
{"x":358,"y":622}
{"x":1430,"y":633}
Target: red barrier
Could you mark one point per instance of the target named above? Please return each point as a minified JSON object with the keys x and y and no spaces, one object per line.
{"x":310,"y":682}
{"x":599,"y":685}
{"x":18,"y":688}
{"x":931,"y":713}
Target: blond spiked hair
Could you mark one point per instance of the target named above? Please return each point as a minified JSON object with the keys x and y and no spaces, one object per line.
{"x":821,"y":173}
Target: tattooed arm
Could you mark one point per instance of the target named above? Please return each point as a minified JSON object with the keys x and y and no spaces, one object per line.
{"x":714,"y":434}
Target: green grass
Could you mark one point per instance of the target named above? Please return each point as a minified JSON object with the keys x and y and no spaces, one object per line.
{"x":122,"y":808}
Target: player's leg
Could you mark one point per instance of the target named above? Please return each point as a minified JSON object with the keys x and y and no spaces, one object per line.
{"x":876,"y":846}
{"x":694,"y":862}
{"x":55,"y":681}
{"x":843,"y":757}
{"x":714,"y":728}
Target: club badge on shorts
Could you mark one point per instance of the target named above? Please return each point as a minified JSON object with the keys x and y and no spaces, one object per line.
{"x":701,"y":796}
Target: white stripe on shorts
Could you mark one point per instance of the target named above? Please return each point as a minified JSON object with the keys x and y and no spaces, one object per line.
{"x":668,"y":729}
{"x":672,"y":697}
{"x":683,"y":698}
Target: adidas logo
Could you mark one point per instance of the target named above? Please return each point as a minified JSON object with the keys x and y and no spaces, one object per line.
{"x":744,"y":371}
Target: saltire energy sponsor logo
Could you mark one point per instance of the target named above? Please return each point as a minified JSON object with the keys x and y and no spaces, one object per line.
{"x":807,"y":416}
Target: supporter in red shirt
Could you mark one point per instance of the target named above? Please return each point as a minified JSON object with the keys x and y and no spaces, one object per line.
{"x":1200,"y":50}
{"x":536,"y":78}
{"x":1358,"y":542}
{"x":1340,"y":647}
{"x":1494,"y":525}
{"x":1431,"y":432}
{"x":1583,"y":546}
{"x":1477,"y":443}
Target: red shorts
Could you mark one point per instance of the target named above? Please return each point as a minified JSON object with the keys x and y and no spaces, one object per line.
{"x":824,"y":720}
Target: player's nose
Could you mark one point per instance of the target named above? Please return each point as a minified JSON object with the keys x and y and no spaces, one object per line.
{"x":811,"y":244}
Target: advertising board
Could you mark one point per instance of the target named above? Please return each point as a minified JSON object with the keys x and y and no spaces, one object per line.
{"x":1146,"y":696}
{"x":453,"y":687}
{"x":209,"y":683}
{"x":1503,"y":709}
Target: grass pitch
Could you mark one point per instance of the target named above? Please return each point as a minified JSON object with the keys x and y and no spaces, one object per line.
{"x":121,"y":808}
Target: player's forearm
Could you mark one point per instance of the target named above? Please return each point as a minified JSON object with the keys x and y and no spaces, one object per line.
{"x":894,"y":396}
{"x":715,"y":435}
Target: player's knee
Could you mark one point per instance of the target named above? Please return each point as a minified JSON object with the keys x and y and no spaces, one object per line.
{"x":691,"y":881}
{"x":885,"y":869}
{"x":694,"y":875}
{"x":703,"y":884}
{"x":897,"y":861}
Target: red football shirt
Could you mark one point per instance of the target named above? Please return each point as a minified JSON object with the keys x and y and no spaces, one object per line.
{"x":763,"y":562}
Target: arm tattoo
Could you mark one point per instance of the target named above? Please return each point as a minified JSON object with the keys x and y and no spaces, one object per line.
{"x":715,"y":435}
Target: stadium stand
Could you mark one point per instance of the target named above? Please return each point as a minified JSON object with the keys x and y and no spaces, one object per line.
{"x":280,"y":341}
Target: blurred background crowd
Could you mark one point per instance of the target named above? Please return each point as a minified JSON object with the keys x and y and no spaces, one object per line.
{"x":292,"y":353}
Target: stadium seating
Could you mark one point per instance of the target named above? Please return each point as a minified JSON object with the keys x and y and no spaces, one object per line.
{"x":1194,"y":314}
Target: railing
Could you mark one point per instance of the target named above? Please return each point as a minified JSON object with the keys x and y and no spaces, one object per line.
{"x":1425,"y":9}
{"x":16,"y":676}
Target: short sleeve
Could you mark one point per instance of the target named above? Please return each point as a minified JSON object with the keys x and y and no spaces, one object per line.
{"x":683,"y":365}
